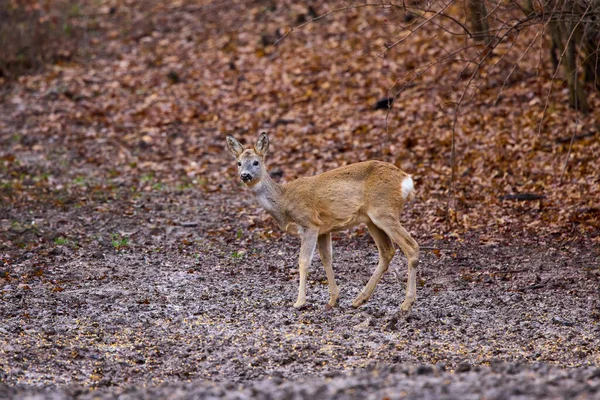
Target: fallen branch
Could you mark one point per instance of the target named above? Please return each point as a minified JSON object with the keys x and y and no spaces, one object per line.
{"x":523,"y":197}
{"x":576,"y":137}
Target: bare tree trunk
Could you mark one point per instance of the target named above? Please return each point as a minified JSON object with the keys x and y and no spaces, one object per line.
{"x":477,"y":14}
{"x":557,"y":44}
{"x":561,"y":32}
{"x":591,"y":62}
{"x":577,"y":96}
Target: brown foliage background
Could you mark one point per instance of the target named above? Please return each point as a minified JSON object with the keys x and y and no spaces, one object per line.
{"x":156,"y":86}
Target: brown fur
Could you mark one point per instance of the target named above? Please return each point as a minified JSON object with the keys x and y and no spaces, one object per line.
{"x":341,"y":198}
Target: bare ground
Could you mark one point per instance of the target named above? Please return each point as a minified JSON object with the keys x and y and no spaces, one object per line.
{"x":178,"y":311}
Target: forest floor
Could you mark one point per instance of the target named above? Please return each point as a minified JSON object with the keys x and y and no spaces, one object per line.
{"x":135,"y":264}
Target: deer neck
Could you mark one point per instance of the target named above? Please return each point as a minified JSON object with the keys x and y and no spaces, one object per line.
{"x":270,"y":195}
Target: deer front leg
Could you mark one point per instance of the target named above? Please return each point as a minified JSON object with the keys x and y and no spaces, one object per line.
{"x":325,"y":253}
{"x":307,"y":249}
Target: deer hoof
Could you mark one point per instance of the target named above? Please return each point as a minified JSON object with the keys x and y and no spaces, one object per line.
{"x":406,"y":305}
{"x":359,"y":301}
{"x":299,"y":304}
{"x":405,"y":309}
{"x":403,"y":314}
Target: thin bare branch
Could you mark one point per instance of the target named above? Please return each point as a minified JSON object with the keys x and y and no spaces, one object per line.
{"x":353,"y":7}
{"x":447,"y":58}
{"x":319,"y":17}
{"x":414,"y":30}
{"x":516,"y":65}
{"x":444,"y":15}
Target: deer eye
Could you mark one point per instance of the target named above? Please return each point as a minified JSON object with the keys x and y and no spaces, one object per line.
{"x":239,"y":163}
{"x":255,"y":163}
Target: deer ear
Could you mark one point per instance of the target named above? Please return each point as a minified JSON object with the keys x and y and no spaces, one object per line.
{"x":262,"y":145}
{"x":234,"y":146}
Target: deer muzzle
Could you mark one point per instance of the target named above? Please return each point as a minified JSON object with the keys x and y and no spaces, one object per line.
{"x":246,"y":177}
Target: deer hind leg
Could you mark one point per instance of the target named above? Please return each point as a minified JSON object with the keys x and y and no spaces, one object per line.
{"x":390,"y":225}
{"x":325,"y":251}
{"x":386,"y":253}
{"x":307,"y":249}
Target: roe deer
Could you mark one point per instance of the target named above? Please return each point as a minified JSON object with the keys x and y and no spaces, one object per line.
{"x":370,"y":192}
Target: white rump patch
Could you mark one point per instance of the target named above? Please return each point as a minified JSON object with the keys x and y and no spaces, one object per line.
{"x":407,"y":187}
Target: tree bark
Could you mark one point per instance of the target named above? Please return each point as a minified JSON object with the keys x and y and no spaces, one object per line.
{"x":577,"y":96}
{"x":561,"y":32}
{"x":477,"y":14}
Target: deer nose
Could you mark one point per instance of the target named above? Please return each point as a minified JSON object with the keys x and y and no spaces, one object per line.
{"x":246,"y":177}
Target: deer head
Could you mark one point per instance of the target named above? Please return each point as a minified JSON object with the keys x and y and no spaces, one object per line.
{"x":251,"y":162}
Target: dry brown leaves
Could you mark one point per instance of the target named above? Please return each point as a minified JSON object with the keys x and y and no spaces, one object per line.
{"x":166,"y":80}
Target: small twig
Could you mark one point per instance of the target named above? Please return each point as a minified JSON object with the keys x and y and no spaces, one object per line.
{"x":577,"y":137}
{"x":441,"y":14}
{"x":435,"y":14}
{"x":532,"y":287}
{"x":522,"y":197}
{"x":319,"y":17}
{"x":455,"y":120}
{"x":518,"y":26}
{"x":446,"y":29}
{"x":335,"y":10}
{"x":489,"y":71}
{"x":403,"y":7}
{"x":448,"y":58}
{"x":457,"y":110}
{"x":596,"y":64}
{"x":516,"y":65}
